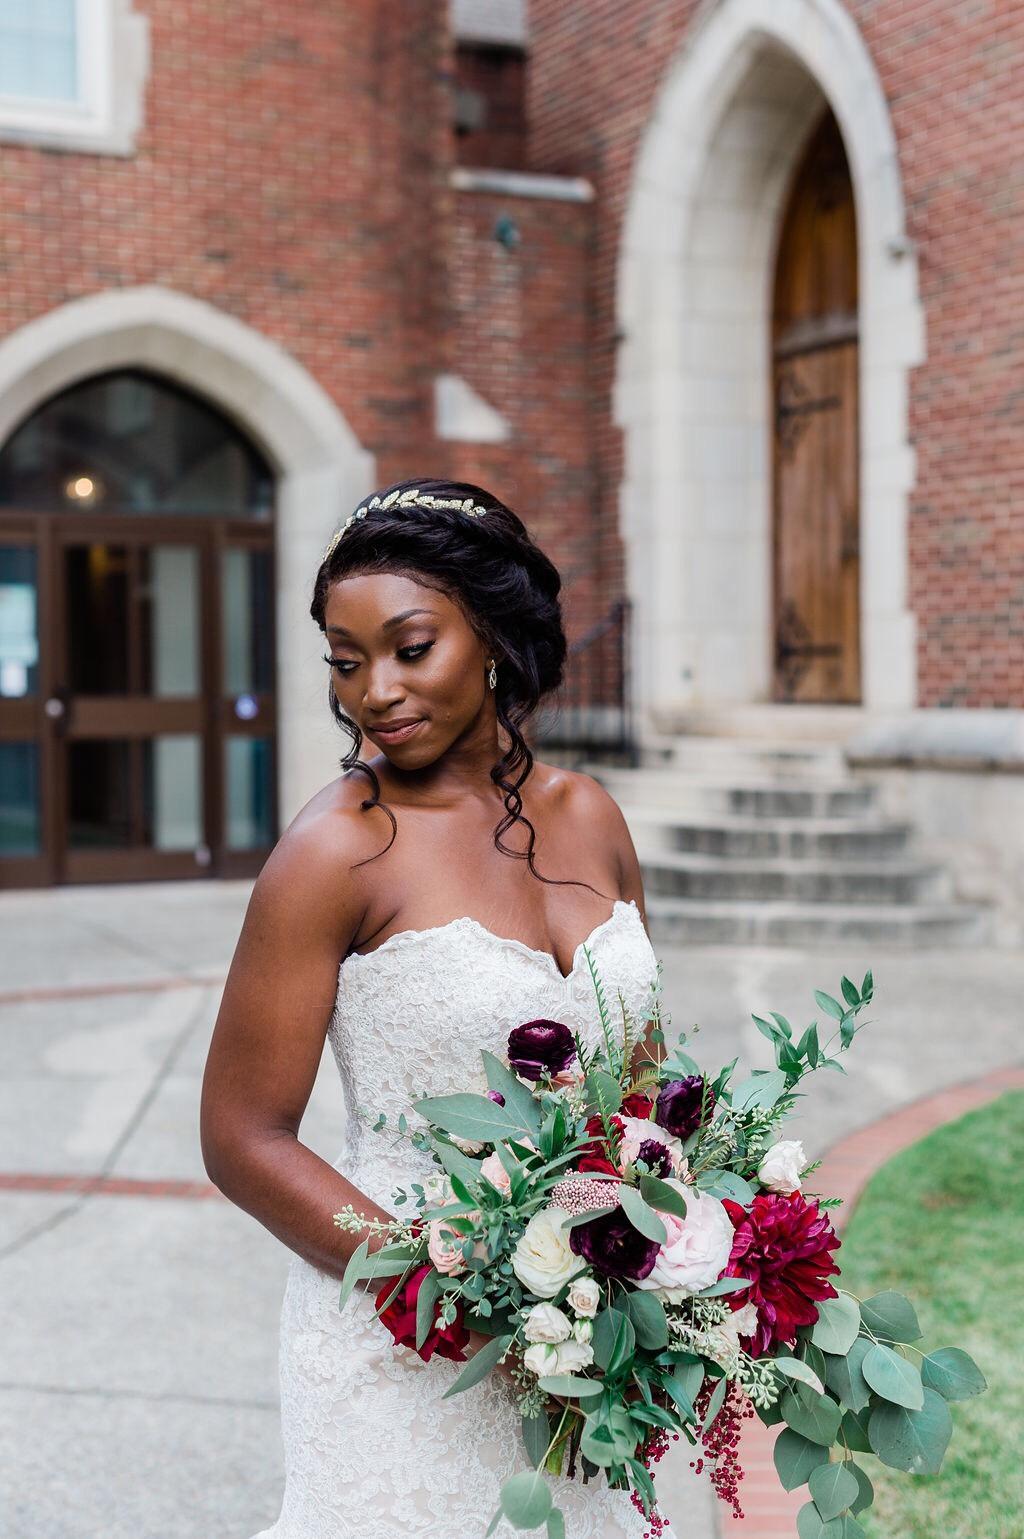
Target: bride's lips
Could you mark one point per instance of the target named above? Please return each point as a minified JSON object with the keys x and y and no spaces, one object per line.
{"x":398,"y":736}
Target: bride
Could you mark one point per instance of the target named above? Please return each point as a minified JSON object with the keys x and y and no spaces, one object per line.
{"x":403,"y":926}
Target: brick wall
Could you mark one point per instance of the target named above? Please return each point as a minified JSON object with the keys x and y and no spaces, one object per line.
{"x":521,"y":330}
{"x":948,"y":68}
{"x":292,"y":171}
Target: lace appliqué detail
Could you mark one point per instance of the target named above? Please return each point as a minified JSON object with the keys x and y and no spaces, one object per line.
{"x":371,"y":1447}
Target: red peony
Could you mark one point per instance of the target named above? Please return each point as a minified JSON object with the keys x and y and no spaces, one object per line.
{"x":783,"y":1244}
{"x":595,"y":1154}
{"x":400,"y":1319}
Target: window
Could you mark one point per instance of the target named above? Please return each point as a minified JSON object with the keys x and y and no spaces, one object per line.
{"x":132,"y":442}
{"x":72,"y":73}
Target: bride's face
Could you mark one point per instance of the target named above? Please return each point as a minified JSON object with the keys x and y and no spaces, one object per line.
{"x":400,"y":652}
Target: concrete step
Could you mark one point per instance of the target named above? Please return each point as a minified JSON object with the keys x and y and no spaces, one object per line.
{"x":702,"y":921}
{"x":738,"y":757}
{"x":737,"y":836}
{"x":686,"y":875}
{"x":766,"y":796}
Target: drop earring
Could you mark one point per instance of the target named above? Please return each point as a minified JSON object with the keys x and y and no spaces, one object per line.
{"x":492,"y":677}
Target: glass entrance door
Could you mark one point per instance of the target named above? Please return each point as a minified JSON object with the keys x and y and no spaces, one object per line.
{"x":128,"y":701}
{"x":137,"y":705}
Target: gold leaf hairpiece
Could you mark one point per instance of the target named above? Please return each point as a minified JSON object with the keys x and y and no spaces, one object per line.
{"x":412,"y":498}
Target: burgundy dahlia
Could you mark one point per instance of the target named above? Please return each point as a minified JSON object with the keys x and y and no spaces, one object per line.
{"x":678,"y":1107}
{"x":783,"y":1244}
{"x":614,"y":1247}
{"x":540,"y":1047}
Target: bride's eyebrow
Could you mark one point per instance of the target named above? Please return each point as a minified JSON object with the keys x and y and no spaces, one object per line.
{"x":389,"y":625}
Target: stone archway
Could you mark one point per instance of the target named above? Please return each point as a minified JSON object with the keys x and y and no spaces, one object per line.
{"x":694,"y":296}
{"x":322,"y":470}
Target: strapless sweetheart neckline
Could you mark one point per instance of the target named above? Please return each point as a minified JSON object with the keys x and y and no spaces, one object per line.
{"x":412,"y":936}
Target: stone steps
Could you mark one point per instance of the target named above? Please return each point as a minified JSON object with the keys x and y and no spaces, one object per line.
{"x":779,"y":843}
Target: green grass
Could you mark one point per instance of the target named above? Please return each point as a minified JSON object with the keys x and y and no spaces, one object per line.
{"x":943,"y":1223}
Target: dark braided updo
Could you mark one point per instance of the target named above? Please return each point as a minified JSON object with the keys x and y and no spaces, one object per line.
{"x":506,"y":587}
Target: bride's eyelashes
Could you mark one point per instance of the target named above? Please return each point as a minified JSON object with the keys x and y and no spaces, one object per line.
{"x":345,"y":667}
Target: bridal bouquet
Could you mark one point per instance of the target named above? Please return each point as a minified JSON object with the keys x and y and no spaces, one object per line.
{"x":635,"y":1238}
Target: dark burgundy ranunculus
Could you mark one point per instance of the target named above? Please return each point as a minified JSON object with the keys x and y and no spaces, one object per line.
{"x":783,"y":1244}
{"x":400,"y":1319}
{"x":496,"y":1096}
{"x":655,"y":1156}
{"x":678,"y":1107}
{"x":540,"y":1047}
{"x":614,"y":1247}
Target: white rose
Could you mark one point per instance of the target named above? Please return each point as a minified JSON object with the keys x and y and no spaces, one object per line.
{"x":697,"y":1247}
{"x":567,"y":1357}
{"x":546,"y":1323}
{"x":584,"y":1296}
{"x":541,"y":1358}
{"x":542,"y":1259}
{"x":574,"y":1355}
{"x":583,"y":1330}
{"x":781,"y":1165}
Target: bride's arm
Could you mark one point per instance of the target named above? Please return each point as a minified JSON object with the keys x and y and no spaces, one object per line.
{"x":268,"y":1039}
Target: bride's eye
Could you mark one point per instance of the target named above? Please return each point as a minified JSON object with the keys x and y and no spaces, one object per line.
{"x":410,"y":654}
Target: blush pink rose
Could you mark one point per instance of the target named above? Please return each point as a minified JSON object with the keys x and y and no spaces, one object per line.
{"x":444,"y":1247}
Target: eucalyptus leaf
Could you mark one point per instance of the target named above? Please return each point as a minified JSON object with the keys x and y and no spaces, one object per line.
{"x":585,"y":1218}
{"x":865,"y":1490}
{"x":526,"y":1499}
{"x":519,"y":1100}
{"x":614,"y":1340}
{"x":832,"y":1489}
{"x":843,"y":1375}
{"x":479,"y":1365}
{"x":647,"y":1313}
{"x":759,"y":1091}
{"x":793,"y":1368}
{"x":953,"y":1373}
{"x":351,"y":1273}
{"x":427,"y":1297}
{"x":641,"y":1216}
{"x":837,"y":1325}
{"x":893,"y":1377}
{"x":469,"y":1116}
{"x":726,"y":1183}
{"x":536,"y":1438}
{"x":662,"y":1196}
{"x":723,"y":1285}
{"x":556,"y":1524}
{"x":890,"y":1315}
{"x":854,"y":1431}
{"x":795,"y":1457}
{"x":914,"y":1441}
{"x":569,"y":1386}
{"x":831,"y":1006}
{"x":815,"y":1417}
{"x":718,"y":1395}
{"x":455,"y":1162}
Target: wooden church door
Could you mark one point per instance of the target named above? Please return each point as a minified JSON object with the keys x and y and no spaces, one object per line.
{"x":815,"y":473}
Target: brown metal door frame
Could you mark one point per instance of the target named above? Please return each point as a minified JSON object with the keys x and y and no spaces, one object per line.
{"x":210,"y":716}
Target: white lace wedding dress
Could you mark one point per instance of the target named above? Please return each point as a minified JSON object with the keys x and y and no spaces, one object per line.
{"x":371,"y":1448}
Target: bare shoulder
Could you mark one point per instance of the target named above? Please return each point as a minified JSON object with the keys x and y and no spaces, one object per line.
{"x":597,"y":816}
{"x":310,"y":869}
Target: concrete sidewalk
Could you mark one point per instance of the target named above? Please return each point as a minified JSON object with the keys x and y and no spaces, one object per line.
{"x":138,"y":1393}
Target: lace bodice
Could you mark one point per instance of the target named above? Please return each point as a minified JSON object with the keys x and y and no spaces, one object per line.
{"x":372,"y":1446}
{"x":412,"y":1015}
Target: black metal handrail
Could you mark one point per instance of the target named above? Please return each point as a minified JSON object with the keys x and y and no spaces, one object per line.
{"x":591,"y":713}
